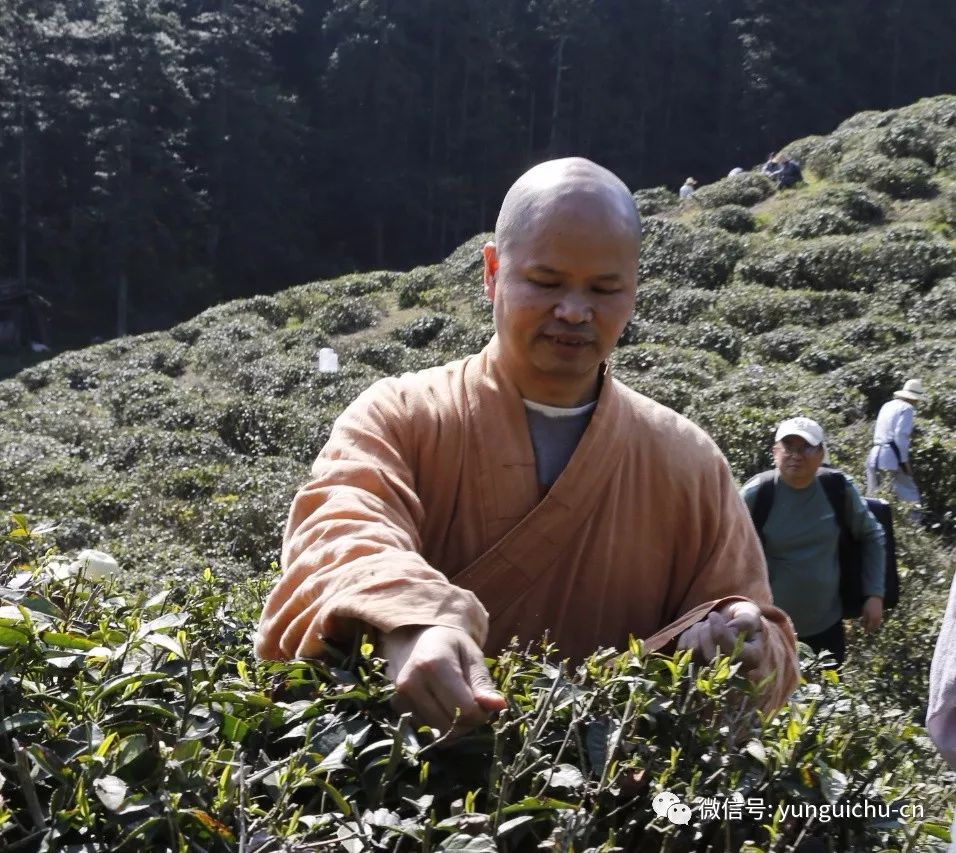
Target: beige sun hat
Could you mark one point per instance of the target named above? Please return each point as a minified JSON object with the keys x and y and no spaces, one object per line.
{"x":912,"y":391}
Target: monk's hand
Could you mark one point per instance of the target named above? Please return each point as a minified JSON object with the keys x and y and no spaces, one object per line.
{"x":872,"y":613}
{"x":720,"y":630}
{"x":441,"y":677}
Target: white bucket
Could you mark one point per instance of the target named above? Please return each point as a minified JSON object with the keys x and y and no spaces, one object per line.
{"x":328,"y":360}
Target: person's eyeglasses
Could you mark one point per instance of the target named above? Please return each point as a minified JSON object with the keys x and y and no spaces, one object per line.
{"x":794,"y":450}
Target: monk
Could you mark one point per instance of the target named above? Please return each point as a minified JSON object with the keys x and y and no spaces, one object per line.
{"x":523,"y":489}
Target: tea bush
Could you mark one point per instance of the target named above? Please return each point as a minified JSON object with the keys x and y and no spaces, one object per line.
{"x":785,"y":343}
{"x":660,"y":300}
{"x":873,"y":333}
{"x":935,"y":460}
{"x":820,"y":222}
{"x":759,"y":309}
{"x":348,"y":315}
{"x":421,"y":332}
{"x":655,"y":200}
{"x":908,"y":177}
{"x":946,"y":155}
{"x":413,"y":287}
{"x":699,"y":257}
{"x":731,"y":217}
{"x":860,"y":204}
{"x":745,"y":190}
{"x":827,"y":263}
{"x":143,"y":722}
{"x":818,"y":154}
{"x":907,"y":139}
{"x":823,"y":357}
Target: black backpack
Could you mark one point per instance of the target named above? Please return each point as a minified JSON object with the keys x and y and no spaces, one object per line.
{"x":850,"y":554}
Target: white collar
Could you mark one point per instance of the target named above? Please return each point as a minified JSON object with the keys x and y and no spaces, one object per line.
{"x":559,"y":411}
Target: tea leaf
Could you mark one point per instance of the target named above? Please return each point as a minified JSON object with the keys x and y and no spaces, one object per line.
{"x":111,"y":791}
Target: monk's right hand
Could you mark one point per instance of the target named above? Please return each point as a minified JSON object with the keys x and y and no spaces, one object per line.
{"x":441,"y":677}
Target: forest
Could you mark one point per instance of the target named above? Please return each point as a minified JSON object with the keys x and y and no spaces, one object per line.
{"x":159,"y":156}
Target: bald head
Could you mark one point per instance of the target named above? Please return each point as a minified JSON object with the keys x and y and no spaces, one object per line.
{"x":560,"y":186}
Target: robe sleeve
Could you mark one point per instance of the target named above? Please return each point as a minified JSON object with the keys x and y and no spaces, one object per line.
{"x":727,"y":564}
{"x":941,"y":714}
{"x":351,"y":551}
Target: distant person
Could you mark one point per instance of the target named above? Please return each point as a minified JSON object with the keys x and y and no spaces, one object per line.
{"x":890,"y":454}
{"x":524,"y":489}
{"x":941,"y":713}
{"x":688,"y":189}
{"x":790,"y":175}
{"x":783,"y":171}
{"x":801,"y":537}
{"x":773,"y":166}
{"x":737,"y":170}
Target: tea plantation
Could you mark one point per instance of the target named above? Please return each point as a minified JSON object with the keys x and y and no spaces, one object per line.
{"x":133,"y":715}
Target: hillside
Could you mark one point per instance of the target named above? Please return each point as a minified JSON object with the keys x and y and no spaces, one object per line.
{"x":180,"y":450}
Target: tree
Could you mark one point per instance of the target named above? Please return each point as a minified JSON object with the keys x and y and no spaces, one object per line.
{"x":26,"y":33}
{"x":133,"y":76}
{"x":248,"y":142}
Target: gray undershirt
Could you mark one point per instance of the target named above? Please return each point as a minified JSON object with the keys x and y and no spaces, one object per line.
{"x":555,"y":433}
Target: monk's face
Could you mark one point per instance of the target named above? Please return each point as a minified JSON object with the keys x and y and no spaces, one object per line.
{"x":563,"y":290}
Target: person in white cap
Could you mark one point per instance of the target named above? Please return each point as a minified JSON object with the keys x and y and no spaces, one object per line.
{"x":891,"y":443}
{"x":801,"y":537}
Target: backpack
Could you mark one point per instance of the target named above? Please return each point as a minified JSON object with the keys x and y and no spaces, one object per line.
{"x":850,"y":553}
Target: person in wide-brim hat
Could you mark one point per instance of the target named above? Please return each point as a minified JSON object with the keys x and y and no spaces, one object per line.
{"x":890,"y":455}
{"x":912,"y":391}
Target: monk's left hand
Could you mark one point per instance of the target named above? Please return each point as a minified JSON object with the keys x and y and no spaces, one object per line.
{"x":720,"y":630}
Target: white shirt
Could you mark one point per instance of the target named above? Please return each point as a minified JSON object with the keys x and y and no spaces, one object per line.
{"x":893,"y":423}
{"x":686,"y":191}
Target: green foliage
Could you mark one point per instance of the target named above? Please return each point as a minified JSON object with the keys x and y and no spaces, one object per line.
{"x":828,"y":263}
{"x":662,"y":301}
{"x":935,"y":455}
{"x":759,"y":309}
{"x":384,"y":356}
{"x":907,"y":139}
{"x":744,"y":190}
{"x":655,"y":200}
{"x":145,"y":723}
{"x":818,"y":154}
{"x":785,"y":343}
{"x":903,"y":178}
{"x":731,"y":217}
{"x":421,"y":332}
{"x":896,"y":676}
{"x":419,"y":287}
{"x":699,"y":257}
{"x":859,"y":204}
{"x":855,"y":263}
{"x":348,"y":315}
{"x":821,"y":222}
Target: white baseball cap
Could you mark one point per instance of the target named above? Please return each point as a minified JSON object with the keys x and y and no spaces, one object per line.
{"x":809,"y":430}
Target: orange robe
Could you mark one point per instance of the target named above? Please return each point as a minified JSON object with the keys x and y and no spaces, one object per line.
{"x":425,"y":509}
